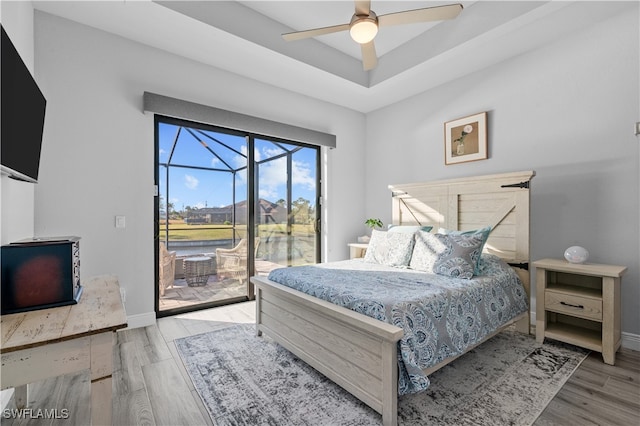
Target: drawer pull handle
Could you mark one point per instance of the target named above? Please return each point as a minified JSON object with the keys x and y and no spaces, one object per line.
{"x":572,"y":306}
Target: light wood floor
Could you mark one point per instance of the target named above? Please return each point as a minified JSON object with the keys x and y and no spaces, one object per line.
{"x":151,"y":387}
{"x":598,"y":394}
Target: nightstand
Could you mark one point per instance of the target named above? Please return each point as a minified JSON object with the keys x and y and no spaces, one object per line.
{"x":579,"y":304}
{"x":357,"y":250}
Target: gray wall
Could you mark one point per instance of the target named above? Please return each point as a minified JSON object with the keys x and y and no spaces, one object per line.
{"x":97,"y":159}
{"x":566,"y":111}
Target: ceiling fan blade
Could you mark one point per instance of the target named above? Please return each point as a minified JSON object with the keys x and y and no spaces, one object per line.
{"x":438,"y":13}
{"x":299,"y":35}
{"x":363,"y":7}
{"x":369,"y":57}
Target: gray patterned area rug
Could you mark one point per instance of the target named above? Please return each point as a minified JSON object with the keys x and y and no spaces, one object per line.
{"x":248,"y":380}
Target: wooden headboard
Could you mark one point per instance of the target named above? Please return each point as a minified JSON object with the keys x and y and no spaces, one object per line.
{"x":500,"y":200}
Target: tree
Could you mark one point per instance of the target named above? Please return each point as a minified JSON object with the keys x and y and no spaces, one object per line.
{"x":300,"y":210}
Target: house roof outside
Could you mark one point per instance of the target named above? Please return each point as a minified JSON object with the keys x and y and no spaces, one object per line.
{"x":270,"y":212}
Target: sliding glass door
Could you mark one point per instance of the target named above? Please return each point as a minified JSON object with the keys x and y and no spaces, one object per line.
{"x":287,"y":216}
{"x":229,"y":205}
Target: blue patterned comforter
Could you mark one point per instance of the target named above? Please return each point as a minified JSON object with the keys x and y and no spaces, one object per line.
{"x":441,"y":316}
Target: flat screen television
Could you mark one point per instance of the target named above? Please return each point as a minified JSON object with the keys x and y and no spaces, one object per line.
{"x":22,"y":112}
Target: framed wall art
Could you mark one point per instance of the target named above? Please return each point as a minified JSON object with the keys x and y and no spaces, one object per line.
{"x":465,"y":139}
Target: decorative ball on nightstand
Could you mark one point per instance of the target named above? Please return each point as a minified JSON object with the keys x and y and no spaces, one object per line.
{"x":576,"y":254}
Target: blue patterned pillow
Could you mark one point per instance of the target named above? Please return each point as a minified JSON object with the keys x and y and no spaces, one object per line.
{"x":483,"y":232}
{"x":389,"y":248}
{"x":452,"y":255}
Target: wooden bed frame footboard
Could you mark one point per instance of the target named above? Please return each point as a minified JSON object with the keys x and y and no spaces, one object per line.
{"x":355,"y":351}
{"x":359,"y":353}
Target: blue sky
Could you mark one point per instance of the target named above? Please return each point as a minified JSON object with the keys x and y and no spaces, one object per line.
{"x":200,"y":188}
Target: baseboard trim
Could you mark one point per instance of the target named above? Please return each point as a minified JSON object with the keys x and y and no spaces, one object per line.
{"x":631,"y":341}
{"x":141,"y":320}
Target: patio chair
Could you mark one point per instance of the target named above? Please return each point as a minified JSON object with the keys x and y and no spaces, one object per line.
{"x":167,"y":268}
{"x":232,"y":263}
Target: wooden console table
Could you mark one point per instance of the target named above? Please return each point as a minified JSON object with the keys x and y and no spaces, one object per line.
{"x":46,"y":343}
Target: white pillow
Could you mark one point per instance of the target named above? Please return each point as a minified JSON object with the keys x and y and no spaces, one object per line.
{"x":389,"y":248}
{"x":410,"y":229}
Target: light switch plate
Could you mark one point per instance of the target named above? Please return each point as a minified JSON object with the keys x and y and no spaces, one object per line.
{"x":120,"y":222}
{"x":637,"y":128}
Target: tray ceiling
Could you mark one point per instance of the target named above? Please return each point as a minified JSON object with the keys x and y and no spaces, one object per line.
{"x":244,"y":37}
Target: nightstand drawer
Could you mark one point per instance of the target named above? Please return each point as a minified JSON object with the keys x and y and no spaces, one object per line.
{"x":577,"y":306}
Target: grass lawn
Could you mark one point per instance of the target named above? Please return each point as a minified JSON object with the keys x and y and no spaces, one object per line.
{"x":178,"y":230}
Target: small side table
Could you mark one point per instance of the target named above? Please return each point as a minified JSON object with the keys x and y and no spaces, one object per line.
{"x":197,"y":270}
{"x":357,"y":250}
{"x":579,"y":304}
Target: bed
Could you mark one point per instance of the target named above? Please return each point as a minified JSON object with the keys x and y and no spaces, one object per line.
{"x":367,"y":364}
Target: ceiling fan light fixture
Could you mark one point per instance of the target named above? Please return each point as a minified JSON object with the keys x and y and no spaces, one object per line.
{"x":363,"y":29}
{"x":363,"y":26}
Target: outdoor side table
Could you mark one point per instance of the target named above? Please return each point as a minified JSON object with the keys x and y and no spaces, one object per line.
{"x":197,"y":270}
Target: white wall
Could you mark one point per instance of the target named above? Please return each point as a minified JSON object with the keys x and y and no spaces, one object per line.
{"x":98,"y":158}
{"x":566,"y":111}
{"x":17,"y":198}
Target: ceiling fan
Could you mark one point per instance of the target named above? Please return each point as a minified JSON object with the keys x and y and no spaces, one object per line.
{"x":364,"y":26}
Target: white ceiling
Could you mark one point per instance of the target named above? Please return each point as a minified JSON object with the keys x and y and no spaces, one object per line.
{"x":303,"y":15}
{"x":244,"y":37}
